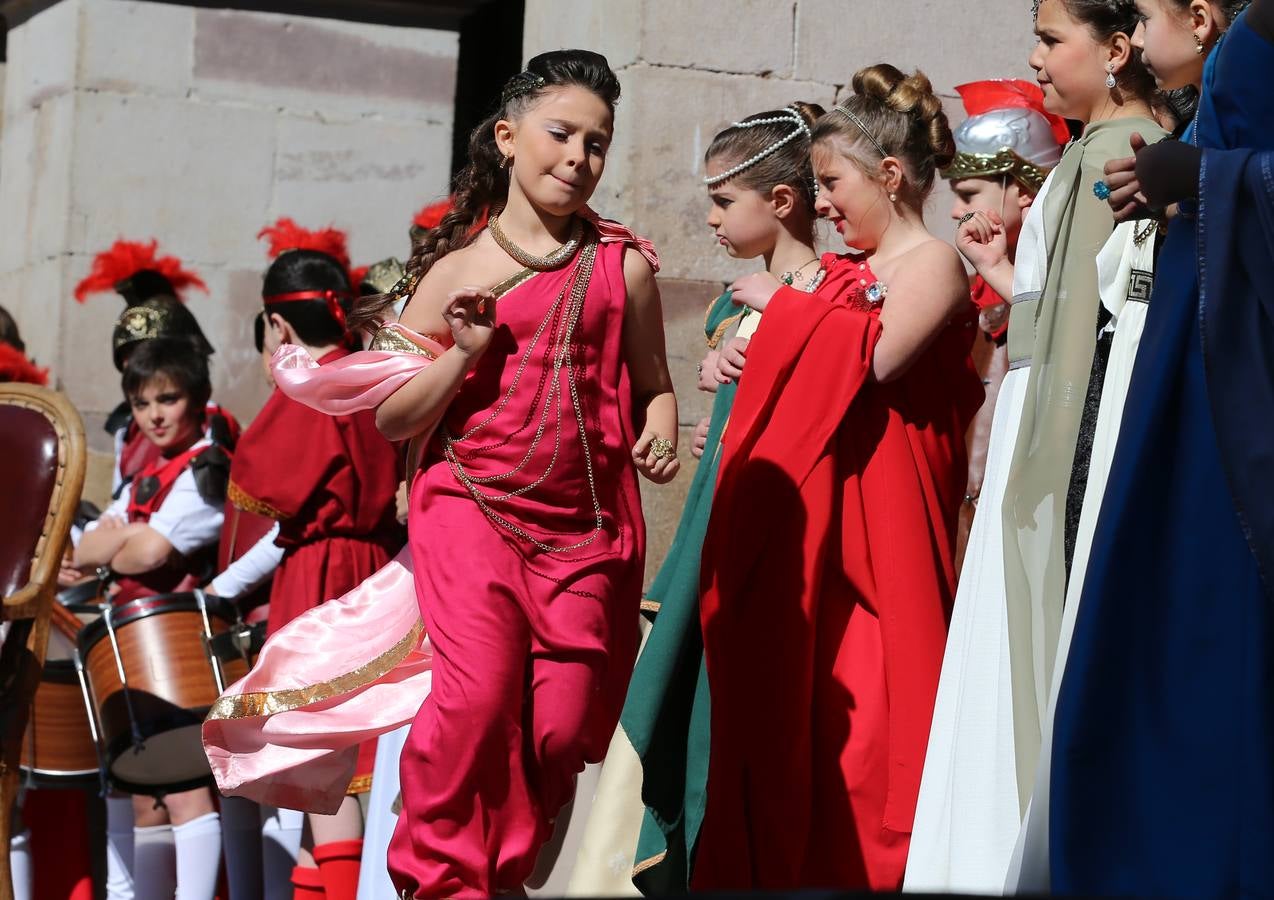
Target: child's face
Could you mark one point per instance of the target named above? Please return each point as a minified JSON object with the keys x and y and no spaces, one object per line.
{"x":1069,"y":63}
{"x":163,"y":412}
{"x":1167,"y":45}
{"x":857,"y":205}
{"x":742,"y":220}
{"x":559,"y":148}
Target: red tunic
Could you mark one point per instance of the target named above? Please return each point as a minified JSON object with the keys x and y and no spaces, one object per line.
{"x":330,"y":483}
{"x":179,"y":572}
{"x":827,"y":584}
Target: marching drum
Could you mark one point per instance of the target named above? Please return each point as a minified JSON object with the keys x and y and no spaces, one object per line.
{"x":152,"y":677}
{"x":59,"y":749}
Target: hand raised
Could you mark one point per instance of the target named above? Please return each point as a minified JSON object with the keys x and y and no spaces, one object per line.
{"x":700,"y":441}
{"x":1126,"y":200}
{"x":708,"y":372}
{"x":983,"y":241}
{"x":470,"y":312}
{"x":730,"y":362}
{"x":755,"y":290}
{"x":660,"y":468}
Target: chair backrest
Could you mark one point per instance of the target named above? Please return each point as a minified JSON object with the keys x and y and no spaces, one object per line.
{"x":42,"y":462}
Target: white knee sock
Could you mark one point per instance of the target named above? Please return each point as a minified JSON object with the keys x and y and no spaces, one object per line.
{"x":281,"y":842}
{"x":154,"y":863}
{"x":198,"y":857}
{"x":119,"y":848}
{"x":20,"y":866}
{"x":241,"y":844}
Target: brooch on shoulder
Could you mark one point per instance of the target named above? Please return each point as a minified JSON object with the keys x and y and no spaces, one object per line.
{"x":869,"y":297}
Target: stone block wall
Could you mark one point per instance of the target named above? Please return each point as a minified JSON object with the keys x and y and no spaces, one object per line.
{"x":690,"y":67}
{"x":197,"y":127}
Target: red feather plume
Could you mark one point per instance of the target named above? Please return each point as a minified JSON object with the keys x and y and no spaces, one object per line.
{"x":431,"y":215}
{"x":286,"y":235}
{"x":125,"y":259}
{"x":14,"y":366}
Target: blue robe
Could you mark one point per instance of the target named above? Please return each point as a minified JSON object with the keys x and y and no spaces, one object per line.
{"x":1163,"y":745}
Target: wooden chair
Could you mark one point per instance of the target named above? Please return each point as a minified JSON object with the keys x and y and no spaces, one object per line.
{"x":42,"y":462}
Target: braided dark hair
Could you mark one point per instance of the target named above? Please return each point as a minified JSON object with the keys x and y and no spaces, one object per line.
{"x":483,"y":185}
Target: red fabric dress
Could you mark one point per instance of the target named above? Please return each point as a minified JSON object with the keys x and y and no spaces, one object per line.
{"x":330,"y":482}
{"x":533,"y":648}
{"x":827,"y":584}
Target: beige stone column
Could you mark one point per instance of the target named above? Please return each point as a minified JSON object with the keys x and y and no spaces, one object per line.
{"x":197,"y":127}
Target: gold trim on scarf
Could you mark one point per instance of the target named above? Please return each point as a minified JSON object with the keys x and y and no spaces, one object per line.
{"x":649,"y":863}
{"x":268,"y":703}
{"x":359,"y":784}
{"x":1005,"y":162}
{"x":246,"y":502}
{"x":651,"y":605}
{"x":394,"y":340}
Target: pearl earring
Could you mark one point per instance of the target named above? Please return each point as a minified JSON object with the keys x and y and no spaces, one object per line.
{"x":893,"y":198}
{"x":1198,"y":44}
{"x":1110,"y":76}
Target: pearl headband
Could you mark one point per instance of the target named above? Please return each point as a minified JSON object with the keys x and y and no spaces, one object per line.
{"x":847,"y":113}
{"x":790,"y":115}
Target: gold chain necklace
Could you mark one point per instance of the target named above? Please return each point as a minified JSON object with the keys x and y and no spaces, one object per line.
{"x":554,"y":260}
{"x":572,"y":295}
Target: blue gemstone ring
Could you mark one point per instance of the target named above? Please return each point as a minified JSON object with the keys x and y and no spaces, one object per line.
{"x":1102,"y":190}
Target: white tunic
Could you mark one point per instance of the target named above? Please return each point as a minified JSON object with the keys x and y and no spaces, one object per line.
{"x":1125,"y":270}
{"x":968,"y":815}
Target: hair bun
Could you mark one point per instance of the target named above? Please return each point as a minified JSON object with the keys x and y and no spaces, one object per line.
{"x":810,"y":112}
{"x":913,"y":96}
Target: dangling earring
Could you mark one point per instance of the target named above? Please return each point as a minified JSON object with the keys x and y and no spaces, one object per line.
{"x":506,"y":162}
{"x":1110,"y":76}
{"x":1198,"y":45}
{"x":893,"y":198}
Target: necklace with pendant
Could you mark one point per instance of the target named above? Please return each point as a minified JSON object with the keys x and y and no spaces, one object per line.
{"x":789,"y":278}
{"x":555,"y":260}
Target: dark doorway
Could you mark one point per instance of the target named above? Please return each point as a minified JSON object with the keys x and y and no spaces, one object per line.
{"x":490,"y":54}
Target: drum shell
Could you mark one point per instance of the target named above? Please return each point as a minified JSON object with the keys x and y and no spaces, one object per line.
{"x":171,"y":686}
{"x":58,"y":749}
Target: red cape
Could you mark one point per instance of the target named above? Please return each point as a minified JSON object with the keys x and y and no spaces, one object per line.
{"x":834,"y":491}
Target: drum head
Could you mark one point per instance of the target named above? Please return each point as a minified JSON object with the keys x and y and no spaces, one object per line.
{"x":167,"y":762}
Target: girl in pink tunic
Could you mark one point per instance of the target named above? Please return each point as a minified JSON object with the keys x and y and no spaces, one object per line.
{"x":534,"y":399}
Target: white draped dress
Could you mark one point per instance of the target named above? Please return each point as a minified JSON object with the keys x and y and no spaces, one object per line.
{"x":1125,"y":271}
{"x":968,"y":813}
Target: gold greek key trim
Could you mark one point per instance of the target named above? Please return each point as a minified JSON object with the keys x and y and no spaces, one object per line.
{"x":649,"y":863}
{"x":395,"y":340}
{"x":359,"y":784}
{"x":721,"y":330}
{"x":651,"y":605}
{"x":246,"y":502}
{"x":267,"y":703}
{"x":1005,"y":162}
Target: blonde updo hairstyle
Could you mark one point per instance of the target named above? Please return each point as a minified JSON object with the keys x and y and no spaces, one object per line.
{"x":903,"y":115}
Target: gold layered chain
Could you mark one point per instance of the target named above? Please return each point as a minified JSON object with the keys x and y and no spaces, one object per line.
{"x":571,"y":297}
